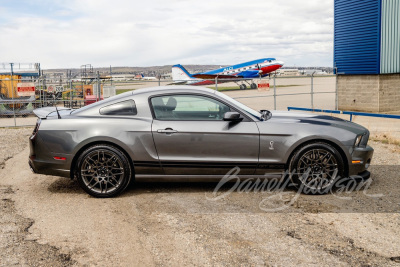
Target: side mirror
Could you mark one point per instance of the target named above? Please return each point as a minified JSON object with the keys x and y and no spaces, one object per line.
{"x":232,"y":116}
{"x":265,"y":114}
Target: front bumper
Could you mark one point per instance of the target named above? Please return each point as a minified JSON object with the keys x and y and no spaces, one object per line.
{"x":363,"y":175}
{"x":360,"y":160}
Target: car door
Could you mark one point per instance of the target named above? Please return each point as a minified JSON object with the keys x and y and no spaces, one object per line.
{"x":192,"y":138}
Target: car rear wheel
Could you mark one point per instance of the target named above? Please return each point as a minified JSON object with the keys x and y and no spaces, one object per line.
{"x":103,"y":171}
{"x":315,"y":168}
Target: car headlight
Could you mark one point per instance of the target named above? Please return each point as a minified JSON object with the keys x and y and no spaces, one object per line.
{"x":358,"y":140}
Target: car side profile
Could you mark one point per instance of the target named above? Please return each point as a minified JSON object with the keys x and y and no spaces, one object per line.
{"x":192,"y":132}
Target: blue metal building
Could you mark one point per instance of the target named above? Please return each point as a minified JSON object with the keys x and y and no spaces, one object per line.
{"x":366,"y":36}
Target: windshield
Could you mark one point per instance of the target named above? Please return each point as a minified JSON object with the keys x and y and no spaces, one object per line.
{"x":252,"y":112}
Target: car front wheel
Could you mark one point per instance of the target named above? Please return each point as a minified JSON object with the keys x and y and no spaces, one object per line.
{"x":315,"y":168}
{"x":103,"y":171}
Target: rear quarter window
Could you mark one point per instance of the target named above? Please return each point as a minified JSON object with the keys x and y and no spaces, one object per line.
{"x":123,"y":108}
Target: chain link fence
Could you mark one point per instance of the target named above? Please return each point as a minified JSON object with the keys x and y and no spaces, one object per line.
{"x":20,"y":95}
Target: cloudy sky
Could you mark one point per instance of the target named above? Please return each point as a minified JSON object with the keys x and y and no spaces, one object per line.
{"x":70,"y":33}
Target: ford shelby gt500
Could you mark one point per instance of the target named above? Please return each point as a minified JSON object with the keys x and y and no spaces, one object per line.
{"x":191,"y":132}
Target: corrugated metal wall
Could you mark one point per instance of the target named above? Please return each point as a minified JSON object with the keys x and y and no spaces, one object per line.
{"x":390,"y":37}
{"x":357,"y":36}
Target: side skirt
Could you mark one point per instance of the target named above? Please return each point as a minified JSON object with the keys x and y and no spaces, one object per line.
{"x":208,"y":178}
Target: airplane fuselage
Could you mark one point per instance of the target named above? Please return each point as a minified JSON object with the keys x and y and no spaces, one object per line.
{"x":248,"y":70}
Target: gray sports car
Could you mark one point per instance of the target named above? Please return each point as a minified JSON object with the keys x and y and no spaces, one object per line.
{"x":191,"y":132}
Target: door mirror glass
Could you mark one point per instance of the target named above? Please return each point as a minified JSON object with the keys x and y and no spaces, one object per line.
{"x":265,"y":114}
{"x":232,"y":116}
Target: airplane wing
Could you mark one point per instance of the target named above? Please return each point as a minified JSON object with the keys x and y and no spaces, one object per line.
{"x":213,"y":76}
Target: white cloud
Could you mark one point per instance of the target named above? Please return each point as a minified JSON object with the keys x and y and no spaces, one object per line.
{"x":137,"y":33}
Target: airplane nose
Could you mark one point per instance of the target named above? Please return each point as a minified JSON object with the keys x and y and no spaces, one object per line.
{"x":280,"y":62}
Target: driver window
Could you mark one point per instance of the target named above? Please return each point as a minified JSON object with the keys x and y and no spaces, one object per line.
{"x":188,"y":107}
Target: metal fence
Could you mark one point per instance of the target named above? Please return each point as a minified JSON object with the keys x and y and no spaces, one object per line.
{"x":17,"y":104}
{"x":307,"y":92}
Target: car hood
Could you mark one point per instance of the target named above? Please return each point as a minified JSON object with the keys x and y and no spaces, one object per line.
{"x":311,"y":118}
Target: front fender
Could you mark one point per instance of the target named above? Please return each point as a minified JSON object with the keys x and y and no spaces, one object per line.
{"x":344,"y":150}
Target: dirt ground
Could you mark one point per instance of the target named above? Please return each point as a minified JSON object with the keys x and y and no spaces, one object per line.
{"x":50,"y":221}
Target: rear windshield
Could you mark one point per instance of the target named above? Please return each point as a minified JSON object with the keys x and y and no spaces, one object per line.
{"x":124,"y":108}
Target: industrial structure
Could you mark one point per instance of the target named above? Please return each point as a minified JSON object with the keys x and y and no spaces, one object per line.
{"x":367,"y":54}
{"x":17,"y":87}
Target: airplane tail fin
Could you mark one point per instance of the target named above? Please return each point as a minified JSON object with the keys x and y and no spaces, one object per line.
{"x":179,"y":73}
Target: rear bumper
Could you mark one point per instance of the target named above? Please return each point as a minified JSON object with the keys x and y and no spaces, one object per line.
{"x":42,"y":161}
{"x":48,"y":168}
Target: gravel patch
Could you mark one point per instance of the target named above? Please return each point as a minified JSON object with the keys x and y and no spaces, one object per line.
{"x":12,"y":142}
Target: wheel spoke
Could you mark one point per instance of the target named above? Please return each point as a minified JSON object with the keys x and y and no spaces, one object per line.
{"x":308,"y":183}
{"x":116,"y":181}
{"x":109,"y":181}
{"x":327,"y":157}
{"x":90,"y":164}
{"x":108,"y":160}
{"x":91,"y":180}
{"x":91,"y":187}
{"x":318,"y":158}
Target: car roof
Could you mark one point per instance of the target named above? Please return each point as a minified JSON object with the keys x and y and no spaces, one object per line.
{"x":160,"y":89}
{"x":172,"y":87}
{"x":155,"y":90}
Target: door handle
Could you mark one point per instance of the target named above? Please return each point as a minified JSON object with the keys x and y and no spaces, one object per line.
{"x":167,"y":131}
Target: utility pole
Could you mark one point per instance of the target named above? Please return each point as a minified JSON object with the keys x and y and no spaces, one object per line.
{"x":312,"y":90}
{"x":12,"y":91}
{"x":274,"y":91}
{"x":110,"y":75}
{"x":336,"y":88}
{"x":98,"y":87}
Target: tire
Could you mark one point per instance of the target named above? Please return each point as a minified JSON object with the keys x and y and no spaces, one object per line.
{"x":103,"y":171}
{"x":315,"y":168}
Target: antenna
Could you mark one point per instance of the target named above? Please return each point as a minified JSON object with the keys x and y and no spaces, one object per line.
{"x":58,"y":113}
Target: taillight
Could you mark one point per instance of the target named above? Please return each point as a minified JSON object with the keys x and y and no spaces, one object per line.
{"x":35,"y":131}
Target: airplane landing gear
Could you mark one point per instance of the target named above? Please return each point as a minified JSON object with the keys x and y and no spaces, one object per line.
{"x":253,"y":86}
{"x":242,"y":87}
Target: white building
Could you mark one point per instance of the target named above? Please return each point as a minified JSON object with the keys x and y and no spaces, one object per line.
{"x":123,"y":77}
{"x":288,"y":72}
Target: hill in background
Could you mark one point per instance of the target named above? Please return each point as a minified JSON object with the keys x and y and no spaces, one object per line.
{"x":155,"y":70}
